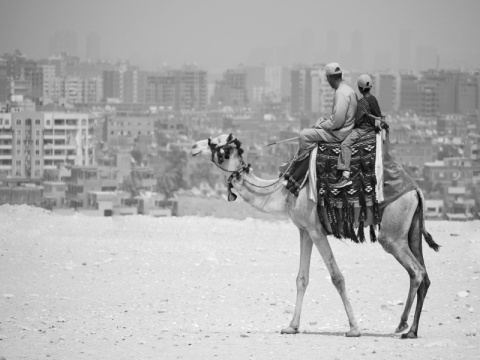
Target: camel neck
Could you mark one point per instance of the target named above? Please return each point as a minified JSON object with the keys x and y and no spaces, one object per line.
{"x":265,"y":195}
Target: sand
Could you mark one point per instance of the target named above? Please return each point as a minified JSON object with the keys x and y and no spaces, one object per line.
{"x":136,"y":287}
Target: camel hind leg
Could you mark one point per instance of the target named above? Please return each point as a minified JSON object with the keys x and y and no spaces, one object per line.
{"x":415,"y":245}
{"x":395,"y":228}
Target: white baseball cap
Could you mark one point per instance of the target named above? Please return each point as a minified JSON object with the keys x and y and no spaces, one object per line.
{"x":364,"y":81}
{"x":332,"y":68}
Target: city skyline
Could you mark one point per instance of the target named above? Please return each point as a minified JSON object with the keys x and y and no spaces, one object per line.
{"x":221,"y":34}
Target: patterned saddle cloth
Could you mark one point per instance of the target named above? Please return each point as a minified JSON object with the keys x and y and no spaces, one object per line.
{"x":354,"y":206}
{"x":361,"y":204}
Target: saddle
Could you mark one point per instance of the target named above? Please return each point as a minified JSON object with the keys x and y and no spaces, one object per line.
{"x":354,"y":206}
{"x":377,"y":181}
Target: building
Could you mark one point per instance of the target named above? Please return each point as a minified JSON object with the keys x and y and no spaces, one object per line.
{"x":409,"y":93}
{"x":385,"y":90}
{"x":452,"y":172}
{"x":73,"y":90}
{"x":63,"y":42}
{"x":111,"y":85}
{"x":301,"y":91}
{"x":322,"y":92}
{"x":121,"y":131}
{"x":452,"y":125}
{"x":6,"y":144}
{"x":31,"y":142}
{"x":255,"y":83}
{"x":87,"y":179}
{"x":231,"y":90}
{"x":180,"y":89}
{"x":93,"y":47}
{"x":92,"y":90}
{"x":48,"y":83}
{"x":426,"y":58}
{"x":413,"y":154}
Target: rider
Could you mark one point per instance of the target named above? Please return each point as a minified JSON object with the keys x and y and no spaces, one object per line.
{"x":367,"y":110}
{"x":340,"y":123}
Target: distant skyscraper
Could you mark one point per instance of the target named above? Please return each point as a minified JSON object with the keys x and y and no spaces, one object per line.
{"x":426,"y":58}
{"x":307,"y":46}
{"x":301,"y":91}
{"x":356,"y":54}
{"x":383,"y":61}
{"x":63,"y":42}
{"x":261,"y":56}
{"x":332,"y":46}
{"x":404,"y":50}
{"x":93,"y":50}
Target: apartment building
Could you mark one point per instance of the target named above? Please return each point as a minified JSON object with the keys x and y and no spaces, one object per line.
{"x":178,"y":89}
{"x":231,"y":90}
{"x":409,"y":93}
{"x":385,"y":90}
{"x":121,"y":131}
{"x":453,"y":172}
{"x":301,"y":91}
{"x":6,"y":144}
{"x":87,"y":179}
{"x":31,"y":142}
{"x":322,"y":92}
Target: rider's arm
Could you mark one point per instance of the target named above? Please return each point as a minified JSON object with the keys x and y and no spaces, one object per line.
{"x":339,"y":114}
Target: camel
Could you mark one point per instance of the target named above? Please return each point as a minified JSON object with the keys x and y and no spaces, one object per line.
{"x":400,"y":234}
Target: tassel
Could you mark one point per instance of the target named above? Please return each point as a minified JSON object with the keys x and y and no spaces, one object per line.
{"x":346,"y":228}
{"x":373,"y":237}
{"x":361,"y":198}
{"x":346,"y":232}
{"x":351,"y":220}
{"x":376,"y":213}
{"x":361,"y":234}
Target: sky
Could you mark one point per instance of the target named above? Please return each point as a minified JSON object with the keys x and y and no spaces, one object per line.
{"x":221,"y":34}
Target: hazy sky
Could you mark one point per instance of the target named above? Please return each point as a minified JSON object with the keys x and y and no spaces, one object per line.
{"x":220,"y":34}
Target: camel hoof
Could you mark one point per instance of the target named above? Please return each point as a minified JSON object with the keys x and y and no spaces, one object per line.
{"x":353,"y":333}
{"x":402,"y":327}
{"x":409,"y":335}
{"x":289,"y":330}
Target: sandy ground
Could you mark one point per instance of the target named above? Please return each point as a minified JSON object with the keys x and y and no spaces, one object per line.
{"x":78,"y":287}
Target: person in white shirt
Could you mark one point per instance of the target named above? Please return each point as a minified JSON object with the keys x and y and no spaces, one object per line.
{"x":340,"y":123}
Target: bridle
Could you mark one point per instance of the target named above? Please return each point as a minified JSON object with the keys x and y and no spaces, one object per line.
{"x":222,"y":152}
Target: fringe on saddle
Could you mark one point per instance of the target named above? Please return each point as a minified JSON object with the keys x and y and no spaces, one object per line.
{"x":341,"y":211}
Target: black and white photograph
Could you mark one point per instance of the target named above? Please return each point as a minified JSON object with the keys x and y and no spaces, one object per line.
{"x":239,"y":179}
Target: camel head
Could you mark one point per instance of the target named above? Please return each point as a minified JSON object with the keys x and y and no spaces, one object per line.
{"x":224,"y":150}
{"x":226,"y":153}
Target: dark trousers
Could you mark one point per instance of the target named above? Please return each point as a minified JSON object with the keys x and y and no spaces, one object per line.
{"x":346,"y":147}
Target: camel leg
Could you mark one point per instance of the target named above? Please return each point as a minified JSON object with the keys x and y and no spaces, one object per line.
{"x":394,"y":239}
{"x":306,"y":245}
{"x":321,"y":242}
{"x":415,"y":244}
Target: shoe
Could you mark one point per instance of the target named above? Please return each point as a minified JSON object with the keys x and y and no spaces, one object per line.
{"x":342,"y":183}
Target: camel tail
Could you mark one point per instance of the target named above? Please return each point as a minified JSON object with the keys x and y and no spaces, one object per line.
{"x":426,"y":234}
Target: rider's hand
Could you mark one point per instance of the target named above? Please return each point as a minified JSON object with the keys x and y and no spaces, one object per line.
{"x":319,"y":122}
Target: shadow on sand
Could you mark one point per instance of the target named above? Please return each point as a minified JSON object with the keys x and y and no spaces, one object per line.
{"x":342,"y":334}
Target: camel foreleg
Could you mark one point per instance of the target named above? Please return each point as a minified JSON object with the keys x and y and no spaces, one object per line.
{"x":306,"y":245}
{"x":321,"y":242}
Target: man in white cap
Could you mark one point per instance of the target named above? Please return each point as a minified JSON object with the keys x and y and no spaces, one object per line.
{"x":340,"y":123}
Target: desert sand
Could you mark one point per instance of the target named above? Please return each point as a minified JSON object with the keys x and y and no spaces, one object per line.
{"x":193,"y":287}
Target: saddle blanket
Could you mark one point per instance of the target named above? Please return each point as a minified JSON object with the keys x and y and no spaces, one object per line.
{"x":376,"y":182}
